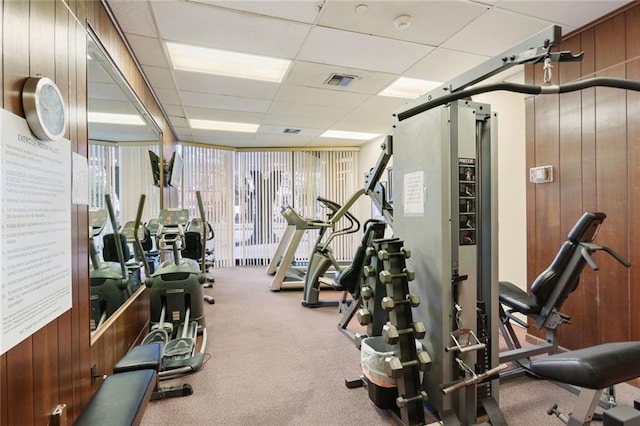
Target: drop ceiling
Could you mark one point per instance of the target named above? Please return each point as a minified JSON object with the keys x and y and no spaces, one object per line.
{"x":321,"y":38}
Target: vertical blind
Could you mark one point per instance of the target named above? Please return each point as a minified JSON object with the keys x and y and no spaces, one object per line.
{"x":124,"y":172}
{"x":248,"y":224}
{"x":210,"y":171}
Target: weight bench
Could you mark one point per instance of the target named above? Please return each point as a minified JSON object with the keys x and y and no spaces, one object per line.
{"x":149,"y":356}
{"x":123,"y":397}
{"x":120,"y":400}
{"x":548,"y":293}
{"x":593,"y":369}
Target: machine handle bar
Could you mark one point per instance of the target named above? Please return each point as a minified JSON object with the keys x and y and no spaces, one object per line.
{"x":204,"y":231}
{"x":587,"y":248}
{"x":618,"y":83}
{"x":116,"y":235}
{"x":447,"y":389}
{"x":137,"y":236}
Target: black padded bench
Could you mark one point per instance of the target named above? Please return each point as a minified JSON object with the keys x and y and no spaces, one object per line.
{"x":149,"y":356}
{"x":120,"y":400}
{"x":593,"y":369}
{"x":140,"y":357}
{"x":548,"y":293}
{"x":123,"y":397}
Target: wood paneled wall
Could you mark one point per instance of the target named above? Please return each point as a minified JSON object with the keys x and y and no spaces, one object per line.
{"x":53,"y":366}
{"x":592,"y":139}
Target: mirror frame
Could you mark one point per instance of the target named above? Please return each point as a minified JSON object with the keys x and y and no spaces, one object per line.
{"x":119,"y":79}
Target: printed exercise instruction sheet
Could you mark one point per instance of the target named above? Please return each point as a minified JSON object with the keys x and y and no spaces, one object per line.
{"x":35,"y":240}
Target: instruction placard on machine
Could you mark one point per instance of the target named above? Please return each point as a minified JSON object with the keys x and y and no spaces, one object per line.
{"x":413,"y":193}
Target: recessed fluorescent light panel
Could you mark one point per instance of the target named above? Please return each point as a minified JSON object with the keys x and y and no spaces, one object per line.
{"x":109,"y":118}
{"x":343,"y":134}
{"x":409,"y":88}
{"x":224,"y":126}
{"x":223,"y":62}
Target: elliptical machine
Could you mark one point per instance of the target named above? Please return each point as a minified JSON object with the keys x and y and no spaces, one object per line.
{"x":176,"y":298}
{"x":196,"y":249}
{"x":109,"y":281}
{"x":322,"y":259}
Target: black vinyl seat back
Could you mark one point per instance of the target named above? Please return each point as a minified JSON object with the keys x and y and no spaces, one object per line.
{"x":109,"y":251}
{"x":568,"y":264}
{"x":147,"y":241}
{"x":192,"y":245}
{"x":544,"y":283}
{"x":352,"y":275}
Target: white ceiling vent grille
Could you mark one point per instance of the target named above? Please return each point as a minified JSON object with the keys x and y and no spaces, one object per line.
{"x":340,"y":79}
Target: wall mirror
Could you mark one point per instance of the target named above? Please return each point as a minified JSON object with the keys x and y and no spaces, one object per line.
{"x":124,"y":155}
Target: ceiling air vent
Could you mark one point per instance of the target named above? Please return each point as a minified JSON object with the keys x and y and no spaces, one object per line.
{"x":292,"y":131}
{"x":340,"y":79}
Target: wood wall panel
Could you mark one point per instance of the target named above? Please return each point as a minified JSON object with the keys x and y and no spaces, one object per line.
{"x":612,"y":179}
{"x":597,"y":156}
{"x":588,"y":295}
{"x":53,"y":365}
{"x":570,"y":171}
{"x":44,"y":341}
{"x":16,"y":67}
{"x":633,"y":138}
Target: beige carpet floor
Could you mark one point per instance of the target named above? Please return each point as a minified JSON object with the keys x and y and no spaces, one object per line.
{"x":273,"y":362}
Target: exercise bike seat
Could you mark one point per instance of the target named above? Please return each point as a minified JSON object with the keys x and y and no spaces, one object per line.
{"x":595,"y":367}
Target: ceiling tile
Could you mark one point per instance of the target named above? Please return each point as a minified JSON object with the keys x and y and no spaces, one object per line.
{"x":98,"y":91}
{"x":168,"y":97}
{"x":203,"y":25}
{"x":184,"y":134}
{"x":178,"y":121}
{"x":135,"y":16}
{"x":148,"y":50}
{"x":120,"y":133}
{"x":121,"y":106}
{"x":174,"y":110}
{"x":305,"y":110}
{"x":223,"y":115}
{"x":299,"y":10}
{"x":432,"y":22}
{"x":494,"y":32}
{"x":159,"y":77}
{"x":297,"y":121}
{"x":213,"y":84}
{"x":443,"y":65}
{"x":568,"y":14}
{"x":233,"y":103}
{"x":223,"y":138}
{"x":314,"y":75}
{"x":280,"y":130}
{"x":321,"y":97}
{"x":344,"y":48}
{"x":373,"y":116}
{"x":275,"y":140}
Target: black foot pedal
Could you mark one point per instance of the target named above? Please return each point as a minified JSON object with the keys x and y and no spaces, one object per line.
{"x":172,"y":392}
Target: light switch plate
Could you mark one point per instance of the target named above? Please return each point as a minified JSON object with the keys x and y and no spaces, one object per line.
{"x":542,"y":174}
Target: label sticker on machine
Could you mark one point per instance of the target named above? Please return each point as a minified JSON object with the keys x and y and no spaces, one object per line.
{"x":467,"y":201}
{"x":175,"y":315}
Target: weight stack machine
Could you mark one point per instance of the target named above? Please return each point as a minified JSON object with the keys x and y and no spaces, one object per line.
{"x":445,"y":193}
